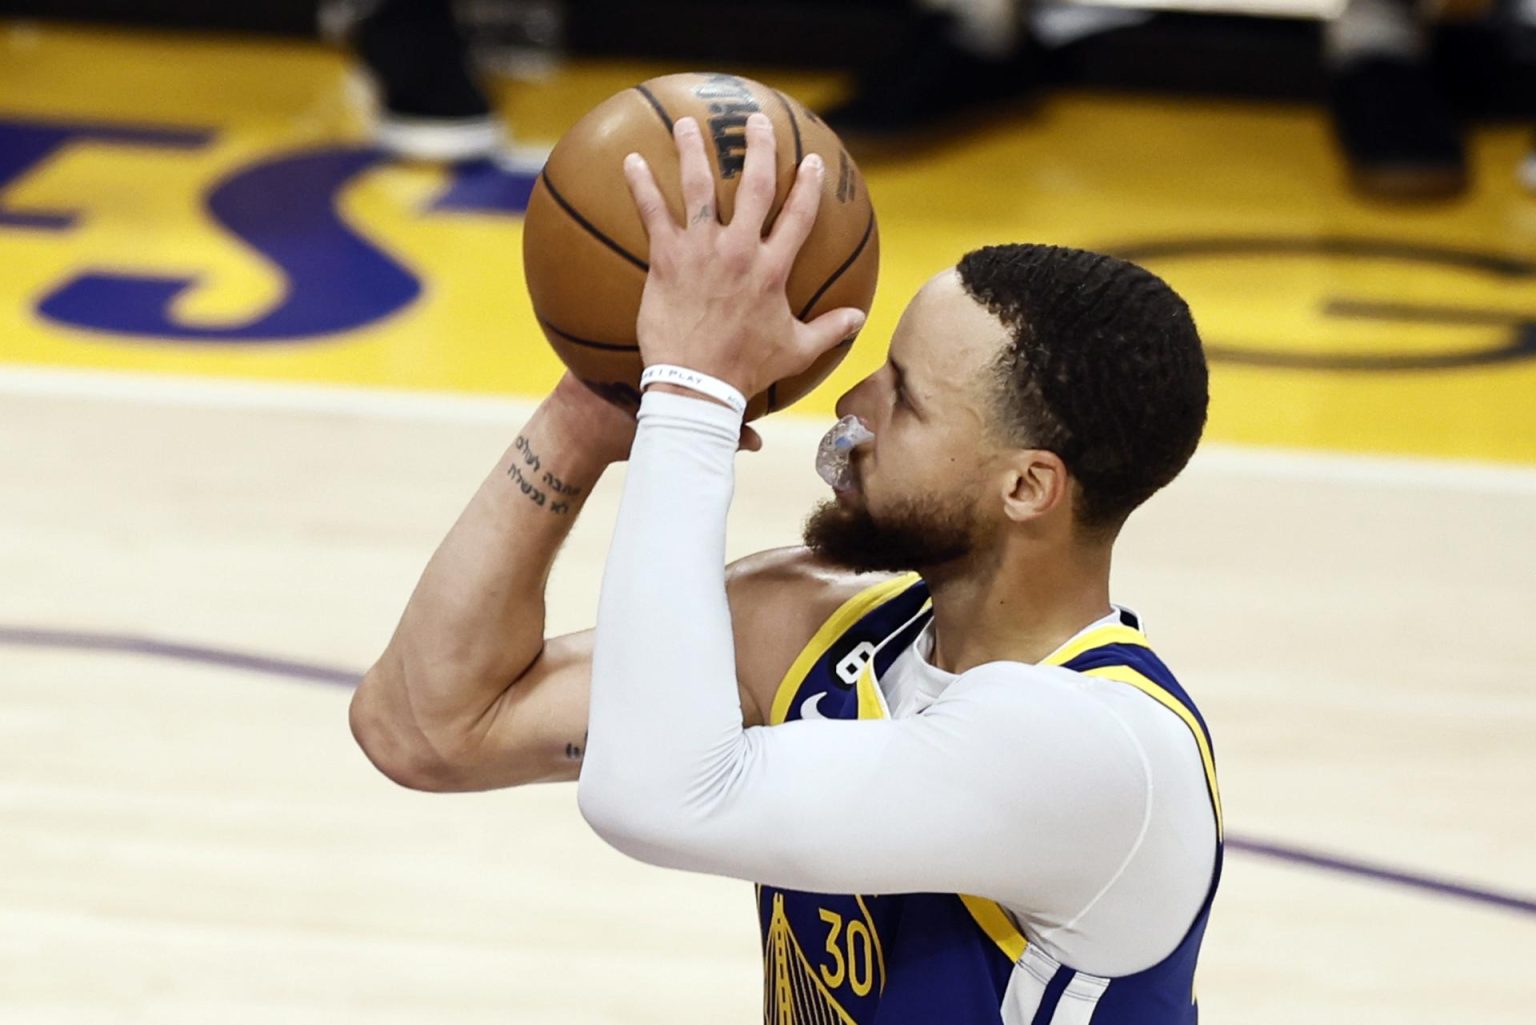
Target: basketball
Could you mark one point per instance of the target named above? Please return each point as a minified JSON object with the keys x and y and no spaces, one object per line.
{"x":584,"y":247}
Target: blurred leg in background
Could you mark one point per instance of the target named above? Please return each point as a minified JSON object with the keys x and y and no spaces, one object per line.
{"x":953,"y":56}
{"x":958,"y":58}
{"x":430,"y":106}
{"x":1392,"y":119}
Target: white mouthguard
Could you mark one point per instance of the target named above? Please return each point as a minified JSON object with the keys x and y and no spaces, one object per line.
{"x":834,"y":457}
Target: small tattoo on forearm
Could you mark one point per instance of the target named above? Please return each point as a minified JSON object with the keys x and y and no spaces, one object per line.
{"x":560,"y":487}
{"x":574,"y":751}
{"x":525,"y":473}
{"x":529,"y":456}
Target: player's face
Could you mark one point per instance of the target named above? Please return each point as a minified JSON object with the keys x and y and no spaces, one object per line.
{"x":919,"y":499}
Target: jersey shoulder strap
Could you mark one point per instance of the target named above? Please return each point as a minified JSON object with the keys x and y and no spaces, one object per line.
{"x":1120,"y":652}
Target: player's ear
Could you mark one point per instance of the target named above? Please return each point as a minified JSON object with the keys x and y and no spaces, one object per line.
{"x":1034,"y":482}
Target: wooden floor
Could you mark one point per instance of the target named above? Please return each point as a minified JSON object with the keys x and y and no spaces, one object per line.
{"x":191,"y":842}
{"x":204,"y":541}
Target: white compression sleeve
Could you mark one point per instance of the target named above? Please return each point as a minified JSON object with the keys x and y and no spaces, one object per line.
{"x":665,"y":702}
{"x":1023,"y":784}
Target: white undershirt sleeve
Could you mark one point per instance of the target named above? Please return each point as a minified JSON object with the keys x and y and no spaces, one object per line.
{"x":1017,"y":784}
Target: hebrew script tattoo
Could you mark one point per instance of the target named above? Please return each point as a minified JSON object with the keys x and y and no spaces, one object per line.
{"x":541,"y":487}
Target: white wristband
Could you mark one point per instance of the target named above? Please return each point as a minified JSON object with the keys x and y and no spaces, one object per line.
{"x":665,"y":373}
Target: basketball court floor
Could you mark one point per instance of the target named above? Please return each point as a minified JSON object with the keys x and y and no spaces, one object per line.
{"x":250,"y":371}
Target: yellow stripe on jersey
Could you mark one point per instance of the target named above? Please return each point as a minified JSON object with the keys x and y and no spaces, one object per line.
{"x":850,"y":612}
{"x":1125,"y":674}
{"x":1113,"y":634}
{"x":994,"y":921}
{"x":871,"y":698}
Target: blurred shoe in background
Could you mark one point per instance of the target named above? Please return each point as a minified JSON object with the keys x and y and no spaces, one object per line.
{"x":958,"y":59}
{"x":1393,"y":121}
{"x":1397,"y":130}
{"x":429,"y":106}
{"x":949,"y":61}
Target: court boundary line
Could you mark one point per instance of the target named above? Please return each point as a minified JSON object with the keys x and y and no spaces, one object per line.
{"x":227,"y":658}
{"x":222,"y":393}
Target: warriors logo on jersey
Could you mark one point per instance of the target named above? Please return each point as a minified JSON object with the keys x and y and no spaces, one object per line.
{"x":927,"y":958}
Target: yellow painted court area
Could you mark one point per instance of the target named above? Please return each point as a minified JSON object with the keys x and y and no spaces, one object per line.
{"x":1241,"y":206}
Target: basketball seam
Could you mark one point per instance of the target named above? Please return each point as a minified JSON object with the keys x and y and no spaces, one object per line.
{"x":589,"y":226}
{"x":661,"y":111}
{"x":869,"y":230}
{"x":586,"y":342}
{"x":794,"y":124}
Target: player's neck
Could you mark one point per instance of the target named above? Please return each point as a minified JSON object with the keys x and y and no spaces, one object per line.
{"x":1024,"y":609}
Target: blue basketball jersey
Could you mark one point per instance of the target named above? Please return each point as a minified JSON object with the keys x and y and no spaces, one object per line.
{"x":950,"y":959}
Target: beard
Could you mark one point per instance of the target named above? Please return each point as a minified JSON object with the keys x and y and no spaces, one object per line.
{"x":915,"y":534}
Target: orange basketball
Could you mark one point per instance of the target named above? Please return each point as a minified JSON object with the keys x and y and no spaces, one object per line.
{"x":584,"y":247}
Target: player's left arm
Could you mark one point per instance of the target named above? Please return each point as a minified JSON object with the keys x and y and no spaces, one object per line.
{"x":969,"y":797}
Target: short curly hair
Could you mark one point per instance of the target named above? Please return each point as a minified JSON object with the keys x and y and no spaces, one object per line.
{"x":1105,"y":369}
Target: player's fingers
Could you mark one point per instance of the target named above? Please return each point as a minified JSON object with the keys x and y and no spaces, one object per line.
{"x":799,"y":214}
{"x":751,"y":441}
{"x":698,"y":180}
{"x":829,"y":331}
{"x":759,"y":176}
{"x":647,"y":195}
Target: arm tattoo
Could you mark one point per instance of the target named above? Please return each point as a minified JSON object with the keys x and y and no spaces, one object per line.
{"x":706,"y":213}
{"x":527,"y":472}
{"x":573,"y":752}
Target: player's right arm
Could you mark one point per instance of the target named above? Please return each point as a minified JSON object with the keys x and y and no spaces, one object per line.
{"x":468,"y":695}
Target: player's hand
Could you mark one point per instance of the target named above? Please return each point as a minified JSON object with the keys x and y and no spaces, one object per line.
{"x":714,"y":299}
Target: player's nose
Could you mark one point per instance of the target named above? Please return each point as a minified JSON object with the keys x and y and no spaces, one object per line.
{"x":850,"y":402}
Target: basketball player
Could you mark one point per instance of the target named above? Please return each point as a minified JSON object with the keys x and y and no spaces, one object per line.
{"x":968,"y":790}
